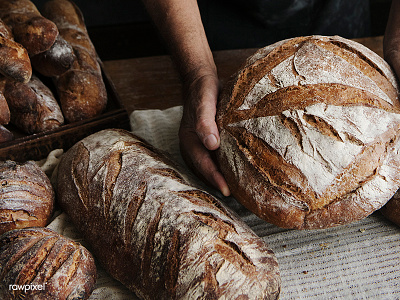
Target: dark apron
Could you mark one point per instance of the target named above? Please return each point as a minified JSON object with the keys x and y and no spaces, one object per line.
{"x":257,"y":23}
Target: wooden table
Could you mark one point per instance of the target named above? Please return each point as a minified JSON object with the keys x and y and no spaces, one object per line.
{"x":153,"y":82}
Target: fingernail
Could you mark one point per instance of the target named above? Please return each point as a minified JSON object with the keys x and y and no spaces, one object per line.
{"x":210,"y":141}
{"x":225,"y":191}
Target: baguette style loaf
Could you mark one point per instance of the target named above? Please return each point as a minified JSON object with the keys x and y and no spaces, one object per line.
{"x":29,"y":27}
{"x":14,"y":59}
{"x":55,"y":61}
{"x":26,"y":196}
{"x":33,"y":106}
{"x":81,"y":89}
{"x":46,"y":264}
{"x":310,"y":132}
{"x":153,"y":230}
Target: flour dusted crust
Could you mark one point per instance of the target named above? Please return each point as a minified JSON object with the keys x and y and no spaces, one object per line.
{"x":153,"y":230}
{"x":55,"y":61}
{"x":53,"y":266}
{"x":309,"y":132}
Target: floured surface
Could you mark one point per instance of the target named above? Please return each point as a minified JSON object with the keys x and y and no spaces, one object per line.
{"x":357,"y":261}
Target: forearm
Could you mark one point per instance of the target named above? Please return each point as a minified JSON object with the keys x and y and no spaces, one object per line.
{"x":391,"y":42}
{"x":180,"y":24}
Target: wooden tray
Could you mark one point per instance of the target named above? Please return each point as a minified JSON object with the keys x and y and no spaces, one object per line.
{"x":38,"y":146}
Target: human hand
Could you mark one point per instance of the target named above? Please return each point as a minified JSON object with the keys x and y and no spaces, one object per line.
{"x":198,"y":133}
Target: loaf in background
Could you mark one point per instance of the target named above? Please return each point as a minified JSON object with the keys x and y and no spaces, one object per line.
{"x":14,"y":59}
{"x":153,"y":230}
{"x":26,"y":196}
{"x":29,"y":28}
{"x":56,"y":266}
{"x":81,"y":89}
{"x":33,"y":106}
{"x":310,"y":132}
{"x":55,"y":61}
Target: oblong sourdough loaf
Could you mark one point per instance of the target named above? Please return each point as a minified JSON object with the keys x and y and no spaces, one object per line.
{"x":309,"y":132}
{"x":26,"y":196}
{"x":154,"y":231}
{"x":39,"y":263}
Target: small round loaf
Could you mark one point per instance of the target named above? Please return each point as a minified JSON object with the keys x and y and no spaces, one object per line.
{"x":309,"y":132}
{"x":38,"y":263}
{"x":26,"y":196}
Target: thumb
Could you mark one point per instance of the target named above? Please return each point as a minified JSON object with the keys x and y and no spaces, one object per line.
{"x":205,"y":125}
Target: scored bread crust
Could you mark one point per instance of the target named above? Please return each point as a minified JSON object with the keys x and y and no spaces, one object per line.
{"x":309,"y":132}
{"x":51,"y":265}
{"x":153,"y":230}
{"x":26,"y":196}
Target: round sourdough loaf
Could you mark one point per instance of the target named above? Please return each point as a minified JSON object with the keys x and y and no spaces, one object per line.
{"x":26,"y":196}
{"x":309,"y":132}
{"x":39,"y":263}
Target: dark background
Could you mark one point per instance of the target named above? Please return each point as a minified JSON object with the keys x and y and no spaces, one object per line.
{"x":122,"y":29}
